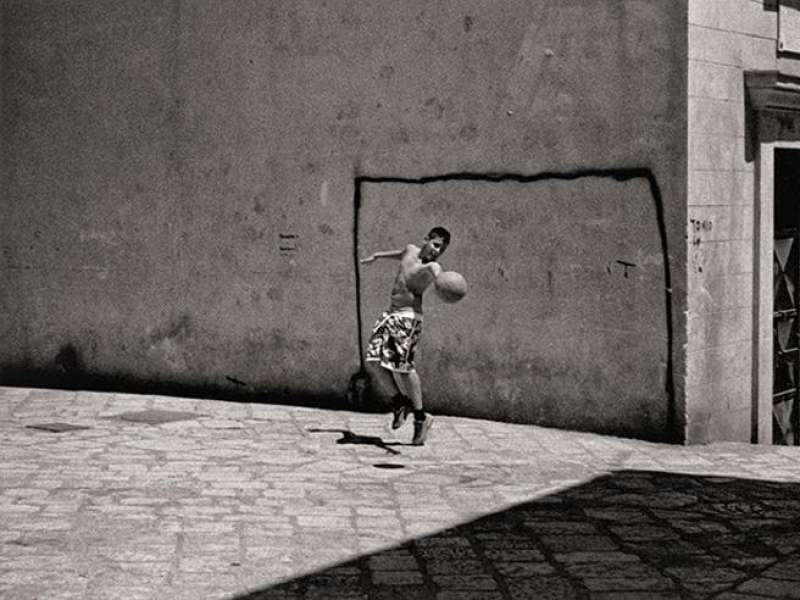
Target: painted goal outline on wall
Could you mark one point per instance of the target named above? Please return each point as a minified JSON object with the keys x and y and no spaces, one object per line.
{"x":623,"y":174}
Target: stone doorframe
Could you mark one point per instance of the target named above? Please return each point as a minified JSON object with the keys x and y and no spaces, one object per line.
{"x":772,"y":116}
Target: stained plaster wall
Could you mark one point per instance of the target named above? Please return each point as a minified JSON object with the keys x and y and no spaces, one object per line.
{"x":178,"y":182}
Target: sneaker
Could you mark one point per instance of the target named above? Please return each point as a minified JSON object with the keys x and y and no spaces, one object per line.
{"x":400,"y":412}
{"x":421,"y":429}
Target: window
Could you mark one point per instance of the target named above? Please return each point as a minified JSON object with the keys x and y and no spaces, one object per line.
{"x":789,"y":26}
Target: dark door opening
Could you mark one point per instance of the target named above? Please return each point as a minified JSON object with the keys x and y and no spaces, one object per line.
{"x":786,"y":300}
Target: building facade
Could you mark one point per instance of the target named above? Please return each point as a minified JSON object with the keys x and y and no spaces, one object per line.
{"x":187,"y":187}
{"x":744,"y":63}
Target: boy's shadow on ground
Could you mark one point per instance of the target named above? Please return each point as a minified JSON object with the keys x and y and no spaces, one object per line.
{"x":348,"y":437}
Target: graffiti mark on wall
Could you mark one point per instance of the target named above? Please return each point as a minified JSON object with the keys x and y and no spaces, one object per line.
{"x":503,"y":274}
{"x":9,"y":256}
{"x":467,"y":24}
{"x":288,"y":244}
{"x":625,"y":266}
{"x":697,"y":228}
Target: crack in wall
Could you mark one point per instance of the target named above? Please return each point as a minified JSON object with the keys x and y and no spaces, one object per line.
{"x":619,"y":174}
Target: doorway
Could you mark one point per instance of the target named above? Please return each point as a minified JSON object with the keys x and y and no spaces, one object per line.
{"x":786,"y":298}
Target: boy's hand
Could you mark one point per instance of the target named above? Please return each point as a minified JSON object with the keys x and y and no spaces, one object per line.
{"x":369,"y":259}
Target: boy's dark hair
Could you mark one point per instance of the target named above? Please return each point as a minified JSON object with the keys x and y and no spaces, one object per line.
{"x":440,"y":232}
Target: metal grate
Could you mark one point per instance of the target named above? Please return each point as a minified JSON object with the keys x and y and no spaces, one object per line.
{"x":786,"y":354}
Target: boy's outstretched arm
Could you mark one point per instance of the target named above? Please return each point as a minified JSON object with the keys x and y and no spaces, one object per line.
{"x":384,"y":254}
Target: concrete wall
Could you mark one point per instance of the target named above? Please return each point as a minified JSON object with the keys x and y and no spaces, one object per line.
{"x":726,"y":37}
{"x":178,"y":176}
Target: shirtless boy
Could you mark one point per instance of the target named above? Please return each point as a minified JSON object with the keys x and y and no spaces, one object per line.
{"x":390,"y":353}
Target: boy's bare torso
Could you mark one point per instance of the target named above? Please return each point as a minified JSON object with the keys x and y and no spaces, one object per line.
{"x":413,"y":277}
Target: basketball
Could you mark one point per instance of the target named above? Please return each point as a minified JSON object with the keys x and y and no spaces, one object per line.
{"x":450,"y":286}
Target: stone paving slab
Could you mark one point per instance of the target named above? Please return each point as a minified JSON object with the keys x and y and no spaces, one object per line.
{"x":254,"y":501}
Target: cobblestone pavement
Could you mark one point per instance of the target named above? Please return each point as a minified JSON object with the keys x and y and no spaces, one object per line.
{"x":173,"y":498}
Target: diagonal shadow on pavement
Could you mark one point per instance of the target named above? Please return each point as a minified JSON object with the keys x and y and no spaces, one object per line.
{"x":348,"y":437}
{"x":628,"y":534}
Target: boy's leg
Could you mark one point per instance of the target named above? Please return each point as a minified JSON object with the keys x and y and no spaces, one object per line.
{"x":389,"y":387}
{"x":410,"y":384}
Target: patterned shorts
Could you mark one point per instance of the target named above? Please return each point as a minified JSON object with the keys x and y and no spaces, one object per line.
{"x":394,"y":340}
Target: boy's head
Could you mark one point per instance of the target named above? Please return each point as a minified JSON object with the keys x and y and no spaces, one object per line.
{"x":440,"y":232}
{"x":436,"y":243}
